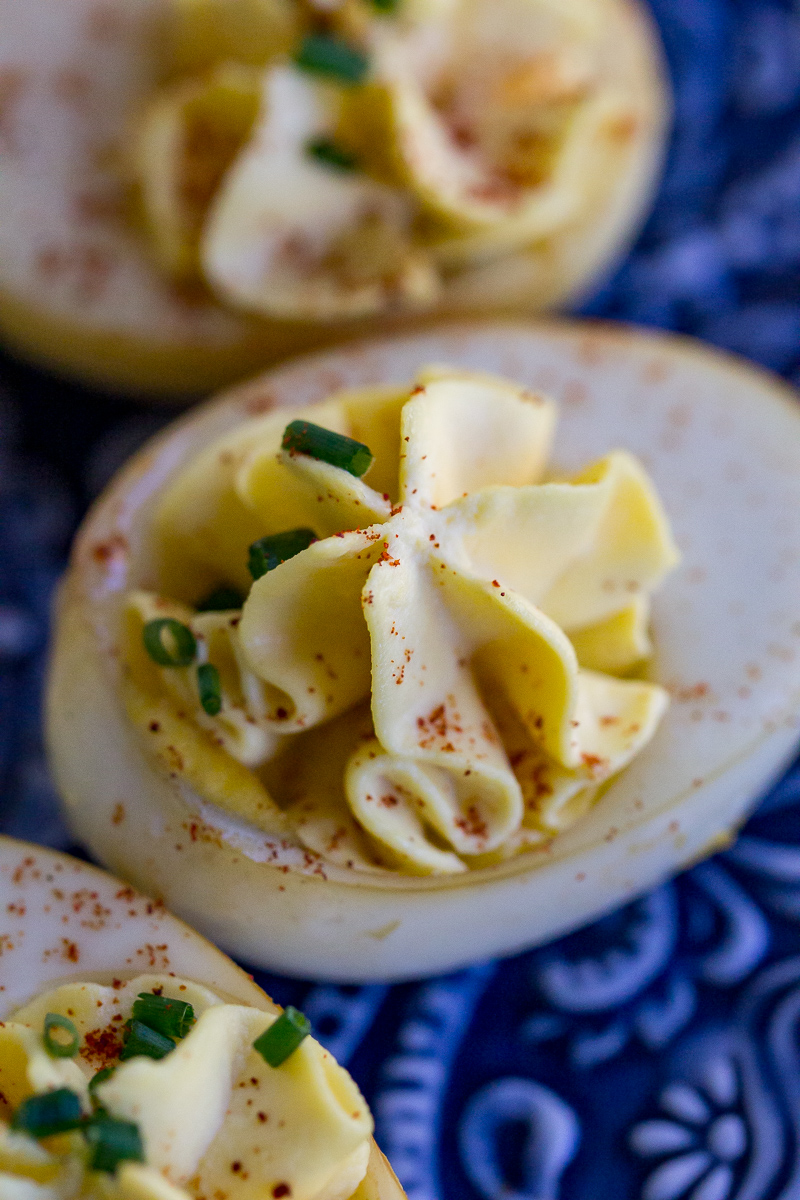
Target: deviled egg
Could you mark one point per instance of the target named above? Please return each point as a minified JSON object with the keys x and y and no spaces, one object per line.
{"x":138,"y":1063}
{"x":372,"y":668}
{"x":192,"y":188}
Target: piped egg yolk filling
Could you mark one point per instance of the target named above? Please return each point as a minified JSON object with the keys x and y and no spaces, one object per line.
{"x":205,"y":1117}
{"x":432,"y":671}
{"x":320,"y":161}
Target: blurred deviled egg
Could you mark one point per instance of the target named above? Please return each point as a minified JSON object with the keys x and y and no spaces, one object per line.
{"x":194,"y":188}
{"x":371,"y":668}
{"x":138,"y":1063}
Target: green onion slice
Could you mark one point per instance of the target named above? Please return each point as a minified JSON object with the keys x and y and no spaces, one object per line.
{"x":173,"y":1018}
{"x":210,"y":688}
{"x":222,"y":599}
{"x":57,"y":1047}
{"x":325,"y":55}
{"x":112,"y":1141}
{"x":304,"y":438}
{"x":51,"y":1112}
{"x":96,"y":1080}
{"x":387,"y":6}
{"x":327,"y":152}
{"x":283,"y":1037}
{"x":142,"y":1039}
{"x":269,"y":552}
{"x":169,"y":643}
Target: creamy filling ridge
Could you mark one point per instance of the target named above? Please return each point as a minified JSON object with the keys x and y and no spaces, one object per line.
{"x":214,"y":1105}
{"x":425,"y":667}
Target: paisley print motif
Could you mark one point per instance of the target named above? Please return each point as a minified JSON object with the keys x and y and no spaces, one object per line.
{"x":654,"y":1055}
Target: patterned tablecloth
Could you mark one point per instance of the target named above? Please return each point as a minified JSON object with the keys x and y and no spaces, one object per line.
{"x":657,"y":1053}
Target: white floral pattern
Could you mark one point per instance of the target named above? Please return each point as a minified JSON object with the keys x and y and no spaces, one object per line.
{"x":720,"y":258}
{"x":699,"y":1139}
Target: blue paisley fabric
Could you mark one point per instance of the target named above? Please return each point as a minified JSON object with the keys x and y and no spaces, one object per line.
{"x":656,"y":1054}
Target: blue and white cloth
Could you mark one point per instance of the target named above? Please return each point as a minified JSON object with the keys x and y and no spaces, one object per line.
{"x":656,"y":1054}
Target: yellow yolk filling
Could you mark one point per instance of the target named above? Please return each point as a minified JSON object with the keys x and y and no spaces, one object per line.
{"x":475,"y":129}
{"x":214,"y":1118}
{"x":437,"y":681}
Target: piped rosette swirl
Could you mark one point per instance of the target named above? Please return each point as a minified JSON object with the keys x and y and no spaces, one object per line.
{"x":386,"y":634}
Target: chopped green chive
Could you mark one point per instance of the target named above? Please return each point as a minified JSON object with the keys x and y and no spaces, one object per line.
{"x":210,"y":689}
{"x":283,"y":1037}
{"x":51,"y":1112}
{"x":97,"y":1079}
{"x":111,"y":1142}
{"x":60,"y":1047}
{"x":304,"y":438}
{"x":269,"y":552}
{"x":331,"y":155}
{"x":221,"y":600}
{"x":333,"y":56}
{"x":169,"y":643}
{"x":143,"y":1040}
{"x":388,"y":6}
{"x":173,"y":1018}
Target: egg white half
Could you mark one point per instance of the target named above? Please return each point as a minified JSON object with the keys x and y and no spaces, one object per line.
{"x":720,"y":440}
{"x":79,"y":289}
{"x":64,"y":920}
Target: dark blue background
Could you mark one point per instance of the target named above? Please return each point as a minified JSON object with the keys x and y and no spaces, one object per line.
{"x":591,"y":1068}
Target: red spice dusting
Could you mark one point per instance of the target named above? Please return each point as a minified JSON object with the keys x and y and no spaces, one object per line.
{"x":101,"y":1047}
{"x":696,"y":691}
{"x":105,"y":552}
{"x":25,"y":865}
{"x":118,"y":815}
{"x":259,"y":404}
{"x":281,"y":1189}
{"x":473,"y":824}
{"x":86,"y":269}
{"x":594,"y":763}
{"x":621,"y":129}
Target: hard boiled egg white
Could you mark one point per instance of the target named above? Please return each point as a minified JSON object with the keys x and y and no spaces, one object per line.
{"x":720,"y":441}
{"x":65,"y":921}
{"x":82,"y":290}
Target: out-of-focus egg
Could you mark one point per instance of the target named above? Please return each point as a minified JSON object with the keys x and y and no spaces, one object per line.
{"x":126,"y":143}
